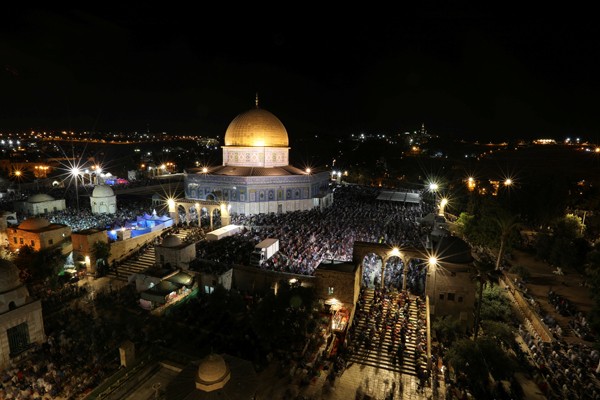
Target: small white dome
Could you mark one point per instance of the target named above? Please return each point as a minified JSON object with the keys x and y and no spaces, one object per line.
{"x":103,"y":191}
{"x":171,"y":241}
{"x":213,"y":373}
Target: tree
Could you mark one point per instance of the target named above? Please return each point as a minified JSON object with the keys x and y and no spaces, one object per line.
{"x":477,"y":360}
{"x":101,"y":251}
{"x":485,"y":273}
{"x":447,"y":329}
{"x":507,"y":224}
{"x":564,"y":245}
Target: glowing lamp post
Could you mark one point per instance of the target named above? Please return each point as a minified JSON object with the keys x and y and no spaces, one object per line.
{"x":434,"y":187}
{"x":443,"y":204}
{"x":18,"y":174}
{"x":75,"y":173}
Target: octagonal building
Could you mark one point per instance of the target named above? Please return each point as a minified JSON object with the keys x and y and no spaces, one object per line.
{"x":256,"y":176}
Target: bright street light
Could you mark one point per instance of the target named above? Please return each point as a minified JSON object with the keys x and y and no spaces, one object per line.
{"x":75,"y":171}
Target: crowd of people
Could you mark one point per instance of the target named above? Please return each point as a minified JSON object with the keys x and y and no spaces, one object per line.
{"x":563,"y":370}
{"x":388,"y":324}
{"x":307,"y":238}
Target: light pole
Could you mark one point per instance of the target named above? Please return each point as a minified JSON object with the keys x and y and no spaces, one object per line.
{"x":433,"y":187}
{"x":75,"y":172}
{"x":443,"y":204}
{"x":18,"y":174}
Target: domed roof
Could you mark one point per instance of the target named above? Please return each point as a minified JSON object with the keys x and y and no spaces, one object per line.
{"x":103,"y":191}
{"x":256,"y":128}
{"x":34,"y":224}
{"x":9,"y":276}
{"x":40,"y":197}
{"x":171,"y":241}
{"x":213,"y":373}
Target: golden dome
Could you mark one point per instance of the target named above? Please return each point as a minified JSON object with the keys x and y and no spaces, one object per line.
{"x":256,"y":128}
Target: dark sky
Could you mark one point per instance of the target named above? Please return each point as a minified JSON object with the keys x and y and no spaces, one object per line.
{"x":137,"y":68}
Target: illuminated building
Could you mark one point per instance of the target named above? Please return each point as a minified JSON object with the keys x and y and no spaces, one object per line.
{"x":256,"y":176}
{"x":38,"y":233}
{"x":103,"y":200}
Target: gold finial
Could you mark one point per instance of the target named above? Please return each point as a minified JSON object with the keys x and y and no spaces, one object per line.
{"x":256,"y":101}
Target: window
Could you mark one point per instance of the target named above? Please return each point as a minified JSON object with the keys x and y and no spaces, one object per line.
{"x":18,"y":338}
{"x":441,"y":296}
{"x":15,"y":239}
{"x":460,"y":299}
{"x":50,"y":241}
{"x":450,"y":296}
{"x":21,"y":241}
{"x":330,"y":290}
{"x":32,"y":243}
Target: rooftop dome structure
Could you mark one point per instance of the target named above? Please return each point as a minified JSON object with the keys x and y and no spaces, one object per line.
{"x":39,"y":198}
{"x":256,"y":128}
{"x":34,"y":224}
{"x":9,"y":276}
{"x":171,"y":241}
{"x":213,"y":373}
{"x":103,"y":191}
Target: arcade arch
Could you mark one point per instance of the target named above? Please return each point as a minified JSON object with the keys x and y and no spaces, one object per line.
{"x":214,"y":209}
{"x":404,"y":269}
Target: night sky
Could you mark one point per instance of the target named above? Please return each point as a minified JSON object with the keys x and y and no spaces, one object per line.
{"x":142,"y":68}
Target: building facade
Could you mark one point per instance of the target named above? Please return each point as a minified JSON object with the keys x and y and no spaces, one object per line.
{"x":39,"y":204}
{"x":21,"y":322}
{"x":38,"y":233}
{"x":256,"y":176}
{"x":103,"y":200}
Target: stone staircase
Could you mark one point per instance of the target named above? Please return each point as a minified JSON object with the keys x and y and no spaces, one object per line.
{"x":137,"y":264}
{"x":379,"y":348}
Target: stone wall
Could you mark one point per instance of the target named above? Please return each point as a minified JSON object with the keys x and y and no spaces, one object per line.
{"x":124,"y":248}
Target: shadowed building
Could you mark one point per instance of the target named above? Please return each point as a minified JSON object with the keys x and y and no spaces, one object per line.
{"x":39,"y":204}
{"x":21,"y":322}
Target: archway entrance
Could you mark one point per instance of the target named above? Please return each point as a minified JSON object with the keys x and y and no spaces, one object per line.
{"x":393,"y":273}
{"x":416,"y":274}
{"x":371,"y":272}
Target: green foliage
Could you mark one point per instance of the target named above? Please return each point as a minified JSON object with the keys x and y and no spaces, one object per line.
{"x":479,"y":359}
{"x":282,"y":320}
{"x":101,"y":250}
{"x":570,"y":227}
{"x":565,"y":245}
{"x":495,"y":305}
{"x":499,"y":331}
{"x":447,"y":328}
{"x":41,"y":265}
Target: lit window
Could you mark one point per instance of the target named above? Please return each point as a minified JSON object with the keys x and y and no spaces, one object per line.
{"x":330,"y":290}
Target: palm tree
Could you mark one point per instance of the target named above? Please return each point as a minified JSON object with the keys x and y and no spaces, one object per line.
{"x":507,"y":224}
{"x":486,"y":273}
